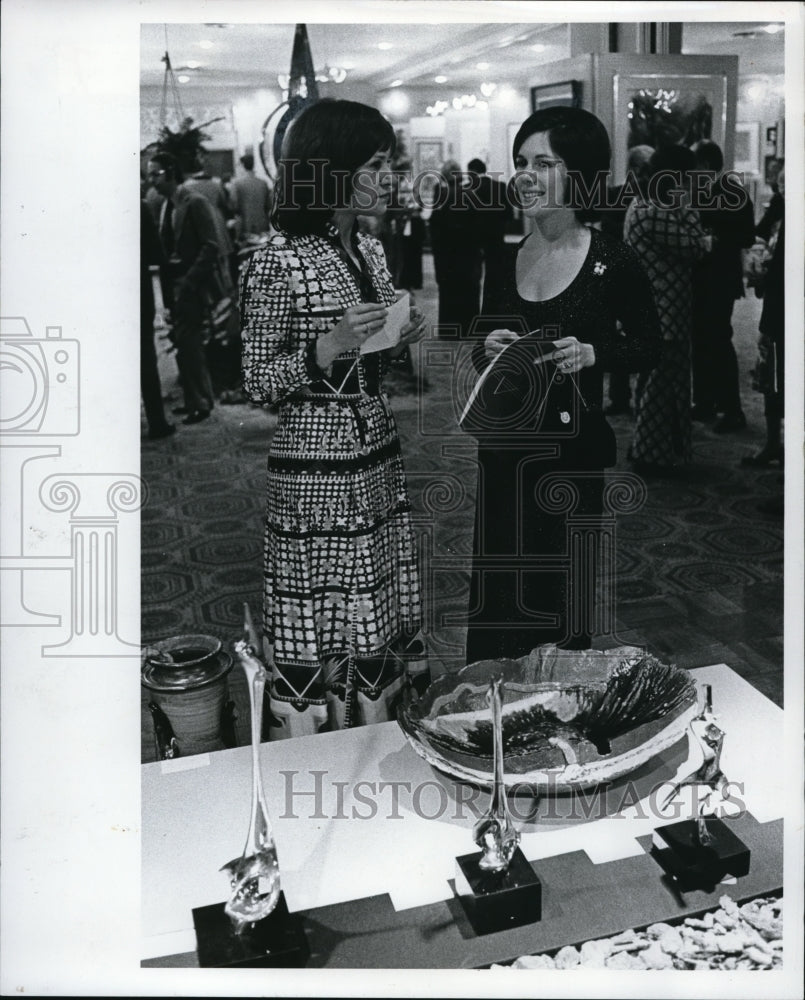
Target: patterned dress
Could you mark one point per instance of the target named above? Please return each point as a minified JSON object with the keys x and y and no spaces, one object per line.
{"x":341,"y":596}
{"x":668,"y":241}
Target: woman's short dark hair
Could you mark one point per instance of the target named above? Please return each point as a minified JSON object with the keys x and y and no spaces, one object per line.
{"x":168,"y":163}
{"x":581,"y":140}
{"x":321,"y":151}
{"x":669,"y":167}
{"x":708,"y":155}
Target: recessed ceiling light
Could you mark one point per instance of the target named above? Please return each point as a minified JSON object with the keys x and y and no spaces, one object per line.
{"x":482,"y":65}
{"x":206,"y":44}
{"x":183,"y":78}
{"x":396,"y":83}
{"x":385,"y":45}
{"x":440,"y":79}
{"x":539,"y":47}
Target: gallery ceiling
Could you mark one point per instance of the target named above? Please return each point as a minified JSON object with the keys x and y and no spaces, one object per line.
{"x":242,"y":57}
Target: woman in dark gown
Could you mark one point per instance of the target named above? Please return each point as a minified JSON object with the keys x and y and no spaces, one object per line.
{"x":592,"y":304}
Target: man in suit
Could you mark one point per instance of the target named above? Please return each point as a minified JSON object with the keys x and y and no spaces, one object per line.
{"x":187,"y":232}
{"x":150,"y":386}
{"x":494,"y":211}
{"x":251,"y":197}
{"x":717,"y":283}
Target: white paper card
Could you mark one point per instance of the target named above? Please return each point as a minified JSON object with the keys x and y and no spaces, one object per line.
{"x":398,"y":316}
{"x":174,"y":764}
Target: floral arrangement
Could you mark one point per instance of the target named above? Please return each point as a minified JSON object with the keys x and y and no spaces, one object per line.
{"x":185,"y":143}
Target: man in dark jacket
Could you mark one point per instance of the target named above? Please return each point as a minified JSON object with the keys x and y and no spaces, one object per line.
{"x":717,"y":283}
{"x":150,"y":386}
{"x":187,"y":232}
{"x":489,"y":197}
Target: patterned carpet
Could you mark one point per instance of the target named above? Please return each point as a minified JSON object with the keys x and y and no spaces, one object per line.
{"x":699,"y":570}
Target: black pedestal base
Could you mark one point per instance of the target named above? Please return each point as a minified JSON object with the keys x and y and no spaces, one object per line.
{"x":276,"y":941}
{"x":496,"y":901}
{"x":677,"y":849}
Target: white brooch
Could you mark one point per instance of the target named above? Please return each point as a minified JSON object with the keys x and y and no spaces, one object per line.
{"x":564,"y":416}
{"x":599,"y":268}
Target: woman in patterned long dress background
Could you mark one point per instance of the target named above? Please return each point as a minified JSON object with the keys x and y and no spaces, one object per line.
{"x":668,"y":238}
{"x":341,"y":611}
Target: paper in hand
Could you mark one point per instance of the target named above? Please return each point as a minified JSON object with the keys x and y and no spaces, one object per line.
{"x":399,"y":315}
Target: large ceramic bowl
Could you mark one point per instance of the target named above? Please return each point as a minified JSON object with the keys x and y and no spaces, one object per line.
{"x":571,"y":720}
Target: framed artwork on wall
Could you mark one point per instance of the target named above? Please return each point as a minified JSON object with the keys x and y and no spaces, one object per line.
{"x":428,"y":159}
{"x":663,"y":109}
{"x":556,"y":95}
{"x":747,"y":148}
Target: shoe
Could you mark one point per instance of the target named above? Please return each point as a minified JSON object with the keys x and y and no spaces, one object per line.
{"x":703,"y":414}
{"x":617,"y":410}
{"x":180,"y":411}
{"x":730,"y":422}
{"x":196,"y":417}
{"x":763,"y":459}
{"x":161,"y":432}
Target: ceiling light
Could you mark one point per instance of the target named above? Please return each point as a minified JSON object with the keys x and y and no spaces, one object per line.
{"x":482,"y":65}
{"x":440,"y":79}
{"x":396,"y":83}
{"x":385,"y":45}
{"x":772,"y":29}
{"x":192,"y":64}
{"x":205,"y":44}
{"x":183,"y":78}
{"x":539,"y":47}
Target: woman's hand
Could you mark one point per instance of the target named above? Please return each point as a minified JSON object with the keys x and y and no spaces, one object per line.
{"x":355,"y":327}
{"x":497,"y":341}
{"x":413,"y":331}
{"x":571,"y":356}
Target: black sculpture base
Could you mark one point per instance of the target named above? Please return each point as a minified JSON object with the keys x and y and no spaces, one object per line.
{"x":496,"y":901}
{"x":277,"y":941}
{"x":677,"y":849}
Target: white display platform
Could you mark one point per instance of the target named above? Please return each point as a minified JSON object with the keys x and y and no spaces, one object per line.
{"x":366,"y":830}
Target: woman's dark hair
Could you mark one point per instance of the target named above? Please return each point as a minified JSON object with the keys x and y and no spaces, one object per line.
{"x":321,"y":151}
{"x":669,"y":167}
{"x":168,"y":163}
{"x":581,"y":140}
{"x":708,"y":155}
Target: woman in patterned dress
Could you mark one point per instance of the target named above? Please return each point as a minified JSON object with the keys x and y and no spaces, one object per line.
{"x":668,"y":237}
{"x":341,"y":606}
{"x":589,"y":303}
